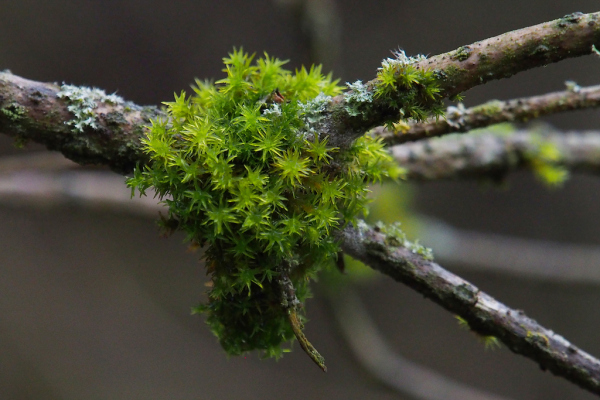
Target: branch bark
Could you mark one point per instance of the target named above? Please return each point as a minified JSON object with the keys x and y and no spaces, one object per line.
{"x":484,"y":314}
{"x":505,"y":55}
{"x":33,"y":111}
{"x":493,"y":156}
{"x":459,"y":119}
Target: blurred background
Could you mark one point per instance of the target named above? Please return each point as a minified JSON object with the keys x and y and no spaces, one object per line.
{"x":95,"y":305}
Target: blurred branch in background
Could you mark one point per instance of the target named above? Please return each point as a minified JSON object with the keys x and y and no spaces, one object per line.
{"x":379,"y":359}
{"x":534,"y":259}
{"x":493,"y":155}
{"x":50,"y":180}
{"x":319,"y":28}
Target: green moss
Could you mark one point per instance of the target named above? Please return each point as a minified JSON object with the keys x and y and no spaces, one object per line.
{"x":546,"y":161}
{"x":13,"y":112}
{"x":453,"y":72}
{"x":395,"y":237}
{"x":462,"y":53}
{"x":509,"y":54}
{"x":489,"y":342}
{"x":489,"y":109}
{"x":414,"y":93}
{"x":246,"y":174}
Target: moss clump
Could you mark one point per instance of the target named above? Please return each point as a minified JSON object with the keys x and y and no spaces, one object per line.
{"x":462,"y":53}
{"x":546,"y":161}
{"x":14,"y":112}
{"x":245,"y":173}
{"x":395,"y":237}
{"x":413,"y":92}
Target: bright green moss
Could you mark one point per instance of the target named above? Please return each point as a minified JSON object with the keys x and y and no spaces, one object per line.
{"x":245,"y":173}
{"x":546,"y":161}
{"x":414,"y":92}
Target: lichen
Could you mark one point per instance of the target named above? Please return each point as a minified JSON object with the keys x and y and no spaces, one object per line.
{"x":81,"y":102}
{"x":357,"y":98}
{"x":455,"y":116}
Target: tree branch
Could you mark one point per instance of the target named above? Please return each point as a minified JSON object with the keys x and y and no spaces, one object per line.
{"x":484,"y":314}
{"x":459,"y":119}
{"x":468,"y":66}
{"x":505,"y":55}
{"x":32,"y":111}
{"x":90,"y":127}
{"x":492,"y":155}
{"x":110,"y":133}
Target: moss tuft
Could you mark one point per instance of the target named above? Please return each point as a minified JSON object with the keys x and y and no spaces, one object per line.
{"x":245,"y":173}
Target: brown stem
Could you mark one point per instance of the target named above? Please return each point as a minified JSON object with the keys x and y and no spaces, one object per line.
{"x":308,"y":348}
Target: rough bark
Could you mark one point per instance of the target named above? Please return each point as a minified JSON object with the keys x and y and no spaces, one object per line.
{"x":484,"y":314}
{"x":32,"y":111}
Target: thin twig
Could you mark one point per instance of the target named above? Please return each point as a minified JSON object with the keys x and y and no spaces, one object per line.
{"x":391,"y":369}
{"x":484,"y":314}
{"x":460,"y":119}
{"x":493,"y":156}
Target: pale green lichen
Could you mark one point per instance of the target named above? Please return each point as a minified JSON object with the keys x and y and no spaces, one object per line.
{"x":401,"y":59}
{"x":81,"y":102}
{"x":357,"y":96}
